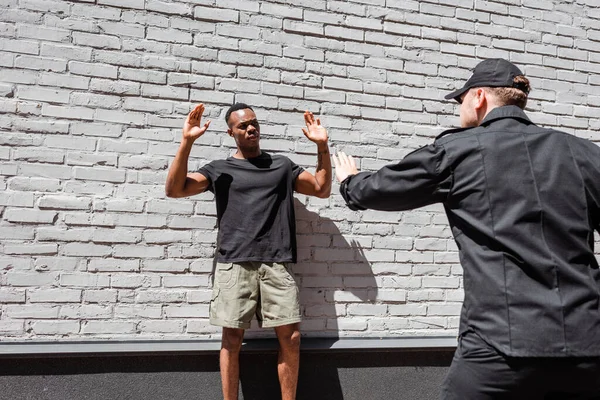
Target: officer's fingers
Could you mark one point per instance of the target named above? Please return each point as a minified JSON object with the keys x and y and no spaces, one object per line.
{"x":352,"y":162}
{"x":336,"y":162}
{"x":344,"y":158}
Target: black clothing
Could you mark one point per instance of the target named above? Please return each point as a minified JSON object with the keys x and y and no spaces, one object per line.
{"x":479,"y":372}
{"x":522,"y":202}
{"x":255,"y":207}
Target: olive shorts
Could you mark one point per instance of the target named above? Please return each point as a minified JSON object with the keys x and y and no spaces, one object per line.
{"x":244,"y":289}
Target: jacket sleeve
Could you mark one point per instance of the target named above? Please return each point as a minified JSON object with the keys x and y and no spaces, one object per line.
{"x":423,"y":177}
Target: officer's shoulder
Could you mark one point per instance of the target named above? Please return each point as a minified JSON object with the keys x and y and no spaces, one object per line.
{"x":455,"y":133}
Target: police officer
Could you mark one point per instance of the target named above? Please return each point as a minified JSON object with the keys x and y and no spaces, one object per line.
{"x":523,"y":203}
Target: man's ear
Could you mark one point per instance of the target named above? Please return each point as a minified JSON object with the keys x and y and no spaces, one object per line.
{"x":479,"y":99}
{"x":230,"y":132}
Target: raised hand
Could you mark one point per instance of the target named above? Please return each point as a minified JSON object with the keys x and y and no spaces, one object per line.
{"x":344,"y":166}
{"x":192,"y":129}
{"x":314,"y":131}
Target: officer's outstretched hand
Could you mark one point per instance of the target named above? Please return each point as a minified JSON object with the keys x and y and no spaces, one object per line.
{"x":192,"y":129}
{"x":344,"y":166}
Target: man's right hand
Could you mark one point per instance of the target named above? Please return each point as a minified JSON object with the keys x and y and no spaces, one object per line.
{"x":192,"y":129}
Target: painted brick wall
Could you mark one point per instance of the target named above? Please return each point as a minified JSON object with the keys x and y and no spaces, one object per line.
{"x":92,"y":97}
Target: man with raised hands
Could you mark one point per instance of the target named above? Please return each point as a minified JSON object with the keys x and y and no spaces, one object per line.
{"x":256,"y":235}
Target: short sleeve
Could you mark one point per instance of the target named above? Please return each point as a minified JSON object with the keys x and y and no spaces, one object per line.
{"x":296,"y":171}
{"x":209,"y":171}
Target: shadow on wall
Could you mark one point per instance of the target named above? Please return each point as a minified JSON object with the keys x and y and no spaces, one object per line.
{"x":334,"y":278}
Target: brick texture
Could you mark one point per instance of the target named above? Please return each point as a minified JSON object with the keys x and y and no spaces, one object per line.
{"x":93,"y":94}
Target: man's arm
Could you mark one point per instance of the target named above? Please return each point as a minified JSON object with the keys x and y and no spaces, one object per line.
{"x":179,"y":182}
{"x":423,"y":177}
{"x":318,"y":184}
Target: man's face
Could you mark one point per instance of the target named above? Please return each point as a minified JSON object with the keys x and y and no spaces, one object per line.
{"x":468,"y":114}
{"x":244,"y":128}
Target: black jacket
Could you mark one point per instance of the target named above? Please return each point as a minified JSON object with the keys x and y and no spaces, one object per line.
{"x":523,"y":203}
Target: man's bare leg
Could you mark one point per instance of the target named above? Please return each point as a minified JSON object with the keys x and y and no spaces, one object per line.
{"x":231,"y":343}
{"x":288,"y":361}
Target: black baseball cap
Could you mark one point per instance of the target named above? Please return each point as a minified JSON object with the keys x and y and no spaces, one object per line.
{"x":493,"y":72}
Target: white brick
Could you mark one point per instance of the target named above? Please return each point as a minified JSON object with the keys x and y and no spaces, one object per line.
{"x":169,"y":35}
{"x":138,"y":311}
{"x":165,"y":237}
{"x":19,"y":46}
{"x":95,"y":69}
{"x":29,"y":216}
{"x":216,"y":14}
{"x":186,"y":281}
{"x":54,"y":296}
{"x":134,"y":281}
{"x":42,"y":33}
{"x":165,"y":266}
{"x":11,"y":327}
{"x":115,"y":87}
{"x":160,"y":296}
{"x":99,"y":174}
{"x":56,"y":264}
{"x":31,"y":278}
{"x":54,"y":327}
{"x":186,"y":311}
{"x":117,"y":235}
{"x":9,"y":295}
{"x":136,"y":4}
{"x":126,"y":205}
{"x":64,"y":203}
{"x":112,"y":265}
{"x":108,"y":327}
{"x":162,"y":326}
{"x":40,"y":94}
{"x":199,"y":326}
{"x":16,"y":199}
{"x":138,"y":251}
{"x":65,"y":51}
{"x":37,"y":311}
{"x":100,"y":296}
{"x":84,"y":280}
{"x":95,"y":40}
{"x":192,"y":222}
{"x":63,"y":235}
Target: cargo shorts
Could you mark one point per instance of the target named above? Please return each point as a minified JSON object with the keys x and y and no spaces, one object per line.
{"x":244,"y":289}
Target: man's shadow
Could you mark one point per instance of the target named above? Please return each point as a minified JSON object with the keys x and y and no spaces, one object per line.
{"x":334,"y":277}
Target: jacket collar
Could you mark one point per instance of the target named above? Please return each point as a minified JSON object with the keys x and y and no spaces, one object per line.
{"x":505,"y":112}
{"x":494,"y":115}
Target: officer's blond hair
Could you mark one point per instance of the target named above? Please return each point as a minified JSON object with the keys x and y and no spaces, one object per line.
{"x":512,"y":96}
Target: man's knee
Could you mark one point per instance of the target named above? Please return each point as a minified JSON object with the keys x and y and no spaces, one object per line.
{"x":290,"y":339}
{"x":232,"y":339}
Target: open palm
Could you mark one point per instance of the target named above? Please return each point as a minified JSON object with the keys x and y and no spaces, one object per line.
{"x":314,"y":131}
{"x":192,"y":129}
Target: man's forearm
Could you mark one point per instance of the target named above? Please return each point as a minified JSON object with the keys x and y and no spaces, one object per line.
{"x":177,"y":177}
{"x":323,"y":171}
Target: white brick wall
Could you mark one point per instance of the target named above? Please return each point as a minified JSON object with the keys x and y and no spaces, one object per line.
{"x":92,"y":97}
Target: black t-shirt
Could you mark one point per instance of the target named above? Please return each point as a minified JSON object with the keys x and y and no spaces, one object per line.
{"x":255,"y":207}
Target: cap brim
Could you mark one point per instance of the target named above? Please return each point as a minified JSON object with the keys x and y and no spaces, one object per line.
{"x":456,"y":94}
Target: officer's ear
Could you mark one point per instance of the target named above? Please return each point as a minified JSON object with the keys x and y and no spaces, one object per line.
{"x":230,"y":132}
{"x":480,"y":99}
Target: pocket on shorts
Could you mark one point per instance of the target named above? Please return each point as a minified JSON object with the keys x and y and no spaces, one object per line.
{"x":288,"y":276}
{"x":215,"y":294}
{"x":226,"y":276}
